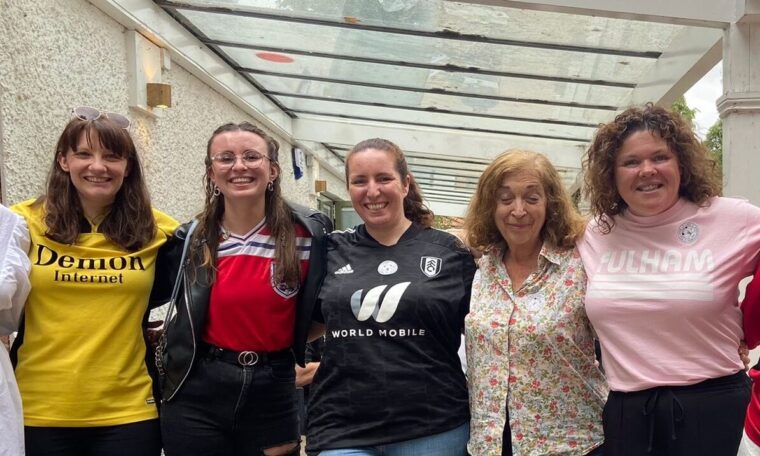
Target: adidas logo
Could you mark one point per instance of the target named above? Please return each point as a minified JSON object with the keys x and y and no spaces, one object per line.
{"x":345,"y":270}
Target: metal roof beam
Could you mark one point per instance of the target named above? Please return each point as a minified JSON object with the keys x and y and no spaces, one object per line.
{"x":441,"y":157}
{"x":437,"y":91}
{"x":702,"y":13}
{"x":288,"y":16}
{"x":442,"y":207}
{"x":452,"y":181}
{"x":444,"y":185}
{"x":433,"y":109}
{"x":431,"y":163}
{"x":429,"y":140}
{"x":577,"y":139}
{"x":186,"y":50}
{"x":452,"y":194}
{"x":438,"y":174}
{"x":683,"y":64}
{"x":448,"y":67}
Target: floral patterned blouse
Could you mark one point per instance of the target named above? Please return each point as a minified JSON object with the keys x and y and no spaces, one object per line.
{"x":533,"y":350}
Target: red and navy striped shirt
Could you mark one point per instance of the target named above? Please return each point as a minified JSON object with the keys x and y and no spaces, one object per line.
{"x":248,"y":310}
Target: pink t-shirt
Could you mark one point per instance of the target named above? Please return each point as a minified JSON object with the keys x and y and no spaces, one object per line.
{"x":662,"y":292}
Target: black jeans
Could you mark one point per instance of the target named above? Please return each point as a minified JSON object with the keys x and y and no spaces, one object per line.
{"x":140,"y":438}
{"x":226,"y":409}
{"x":704,"y":419}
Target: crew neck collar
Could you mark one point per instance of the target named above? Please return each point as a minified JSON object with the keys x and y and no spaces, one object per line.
{"x":670,"y":214}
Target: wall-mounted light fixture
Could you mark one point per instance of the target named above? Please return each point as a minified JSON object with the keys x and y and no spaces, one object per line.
{"x":159,"y":95}
{"x":320,"y":186}
{"x":145,"y":63}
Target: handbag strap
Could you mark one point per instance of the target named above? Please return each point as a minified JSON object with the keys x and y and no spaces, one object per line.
{"x":180,"y":272}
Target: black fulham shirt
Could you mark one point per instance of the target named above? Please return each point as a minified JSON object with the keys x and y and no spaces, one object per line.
{"x":393,"y":316}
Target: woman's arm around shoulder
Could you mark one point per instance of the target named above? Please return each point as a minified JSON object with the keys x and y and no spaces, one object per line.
{"x":167,"y":266}
{"x":751,"y":311}
{"x":14,"y":269}
{"x":164,"y":222}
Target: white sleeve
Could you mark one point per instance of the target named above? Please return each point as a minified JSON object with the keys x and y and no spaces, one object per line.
{"x":14,"y":273}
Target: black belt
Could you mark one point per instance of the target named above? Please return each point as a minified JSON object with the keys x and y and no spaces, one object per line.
{"x":245,"y":358}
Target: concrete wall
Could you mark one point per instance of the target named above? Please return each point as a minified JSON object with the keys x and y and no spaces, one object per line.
{"x":55,"y":55}
{"x":335,"y":185}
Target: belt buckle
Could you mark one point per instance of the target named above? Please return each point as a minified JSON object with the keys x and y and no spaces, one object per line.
{"x":248,"y":358}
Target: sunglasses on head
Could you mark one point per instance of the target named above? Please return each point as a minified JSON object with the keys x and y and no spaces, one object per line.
{"x":88,"y":113}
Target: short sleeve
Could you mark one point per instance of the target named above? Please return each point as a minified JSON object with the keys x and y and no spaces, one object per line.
{"x":165,"y":223}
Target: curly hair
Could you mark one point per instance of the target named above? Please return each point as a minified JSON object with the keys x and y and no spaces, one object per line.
{"x":414,"y":208}
{"x":700,"y":177}
{"x":563,"y":226}
{"x":129,"y":223}
{"x":278,"y":215}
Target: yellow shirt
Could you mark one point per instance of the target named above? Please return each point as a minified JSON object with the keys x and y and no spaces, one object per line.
{"x":82,"y":362}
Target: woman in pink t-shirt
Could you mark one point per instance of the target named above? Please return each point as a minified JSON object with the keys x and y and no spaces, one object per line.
{"x":664,"y":256}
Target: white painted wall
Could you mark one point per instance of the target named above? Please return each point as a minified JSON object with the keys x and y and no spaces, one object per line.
{"x":55,"y":55}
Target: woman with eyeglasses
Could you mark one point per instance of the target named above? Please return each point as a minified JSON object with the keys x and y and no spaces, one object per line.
{"x":246,"y":292}
{"x":80,"y":349}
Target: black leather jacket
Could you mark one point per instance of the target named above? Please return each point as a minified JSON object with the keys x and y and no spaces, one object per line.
{"x":185,"y":330}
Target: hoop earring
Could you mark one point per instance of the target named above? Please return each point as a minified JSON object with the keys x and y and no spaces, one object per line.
{"x":216,"y":191}
{"x":270,"y":186}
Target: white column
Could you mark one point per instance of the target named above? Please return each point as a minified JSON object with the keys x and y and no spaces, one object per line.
{"x":739,"y":107}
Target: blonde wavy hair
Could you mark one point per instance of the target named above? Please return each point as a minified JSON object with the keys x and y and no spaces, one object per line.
{"x":563,"y":225}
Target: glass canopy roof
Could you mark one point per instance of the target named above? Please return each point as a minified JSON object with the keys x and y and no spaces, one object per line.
{"x":519,"y":78}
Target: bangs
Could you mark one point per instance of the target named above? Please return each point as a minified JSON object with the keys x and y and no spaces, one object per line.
{"x":112,"y":137}
{"x":518,"y":165}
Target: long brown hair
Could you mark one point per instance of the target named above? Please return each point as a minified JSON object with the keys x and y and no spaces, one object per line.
{"x":414,"y":208}
{"x":700,"y":178}
{"x":279,"y":217}
{"x":129,"y":223}
{"x":563,"y":225}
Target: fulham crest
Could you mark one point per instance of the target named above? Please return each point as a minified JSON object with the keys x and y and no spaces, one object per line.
{"x":431,"y":266}
{"x":688,"y":232}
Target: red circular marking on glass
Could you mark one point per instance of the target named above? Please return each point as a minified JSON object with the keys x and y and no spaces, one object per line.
{"x":274,"y":57}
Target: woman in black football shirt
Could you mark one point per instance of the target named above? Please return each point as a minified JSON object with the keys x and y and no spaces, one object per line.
{"x":393,"y":305}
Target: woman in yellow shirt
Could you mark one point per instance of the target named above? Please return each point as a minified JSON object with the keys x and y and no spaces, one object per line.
{"x":81,"y":352}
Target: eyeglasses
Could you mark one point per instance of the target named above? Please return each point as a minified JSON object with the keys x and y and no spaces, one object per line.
{"x":88,"y":113}
{"x":251,"y":160}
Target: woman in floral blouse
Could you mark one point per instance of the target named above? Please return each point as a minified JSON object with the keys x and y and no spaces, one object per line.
{"x":530,"y":347}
